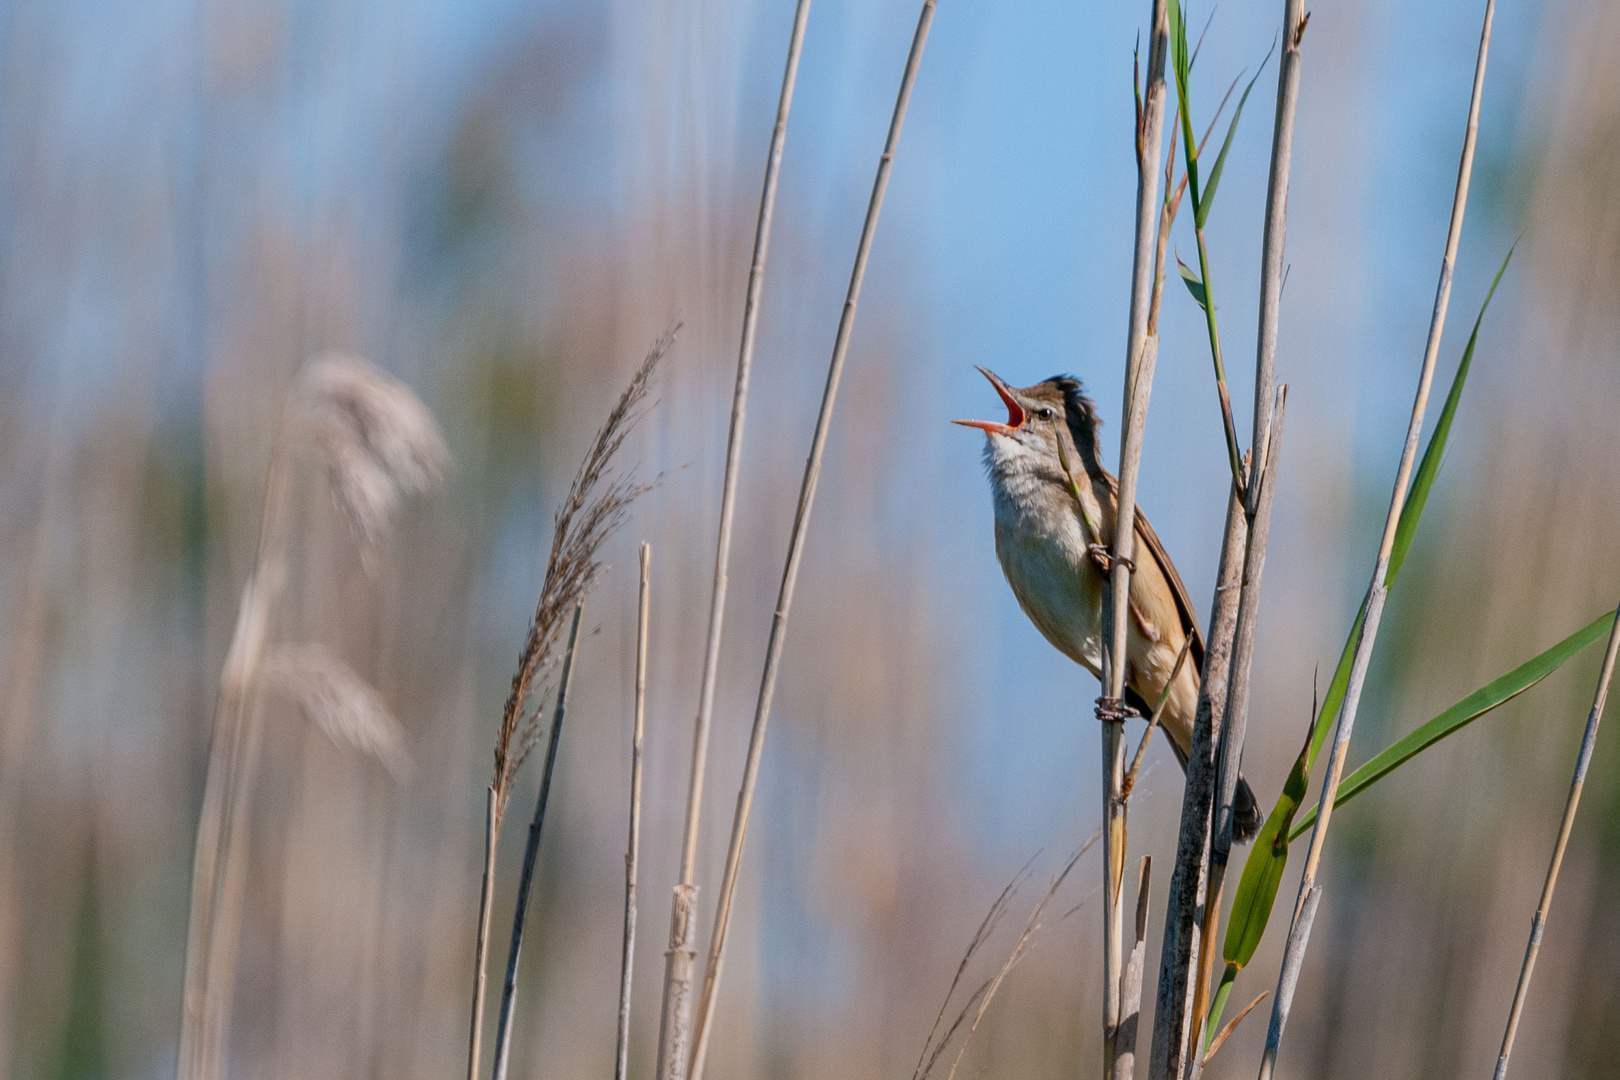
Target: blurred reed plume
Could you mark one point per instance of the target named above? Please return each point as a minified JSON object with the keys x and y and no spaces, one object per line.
{"x":344,"y":706}
{"x":594,"y":507}
{"x":377,"y":444}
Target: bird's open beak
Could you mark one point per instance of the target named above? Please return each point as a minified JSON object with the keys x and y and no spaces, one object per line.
{"x":1015,"y":411}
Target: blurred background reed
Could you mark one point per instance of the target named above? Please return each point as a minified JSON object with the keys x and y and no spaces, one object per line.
{"x":502,"y":204}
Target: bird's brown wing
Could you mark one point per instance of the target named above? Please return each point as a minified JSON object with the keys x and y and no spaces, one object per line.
{"x":1155,"y":547}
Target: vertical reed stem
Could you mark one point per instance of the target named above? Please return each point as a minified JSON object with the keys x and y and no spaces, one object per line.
{"x":1141,"y":352}
{"x":790,"y":573}
{"x":1539,"y":922}
{"x":486,"y":905}
{"x":1378,"y":588}
{"x":676,"y":1019}
{"x":632,"y":852}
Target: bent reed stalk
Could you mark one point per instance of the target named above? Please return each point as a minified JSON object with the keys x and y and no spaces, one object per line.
{"x":1378,"y":588}
{"x":790,"y":572}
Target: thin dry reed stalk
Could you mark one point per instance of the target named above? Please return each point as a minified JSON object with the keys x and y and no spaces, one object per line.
{"x":531,"y":854}
{"x":790,"y":573}
{"x":1377,"y":589}
{"x":377,"y":444}
{"x":677,"y":992}
{"x":1141,"y":352}
{"x":1538,"y":922}
{"x":978,"y":1002}
{"x":594,"y":507}
{"x":632,"y":853}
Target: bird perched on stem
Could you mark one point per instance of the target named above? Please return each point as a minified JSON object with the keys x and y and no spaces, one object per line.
{"x":1055,"y":507}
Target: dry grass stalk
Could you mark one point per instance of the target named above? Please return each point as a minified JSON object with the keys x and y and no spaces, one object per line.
{"x":1539,"y":922}
{"x":594,"y":507}
{"x":987,"y":926}
{"x":1141,"y":352}
{"x":378,"y":444}
{"x":1377,"y":589}
{"x":790,"y":573}
{"x":531,"y":854}
{"x":621,"y":1061}
{"x":1232,"y":1025}
{"x":677,"y":1016}
{"x":978,"y":1002}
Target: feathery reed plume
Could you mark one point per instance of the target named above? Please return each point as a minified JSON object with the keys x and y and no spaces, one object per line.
{"x":621,"y":1061}
{"x":594,"y":507}
{"x":1378,"y":587}
{"x":678,"y":969}
{"x":672,"y":1054}
{"x":378,"y":444}
{"x":1141,"y":354}
{"x":1539,"y":923}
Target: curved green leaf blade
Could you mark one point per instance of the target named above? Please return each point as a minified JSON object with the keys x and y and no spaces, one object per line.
{"x":1263,"y":870}
{"x":1220,"y":159}
{"x":1460,"y":715}
{"x":1429,"y":468}
{"x":1199,"y":294}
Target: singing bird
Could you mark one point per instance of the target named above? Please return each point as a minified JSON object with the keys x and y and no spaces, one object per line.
{"x":1053,"y":552}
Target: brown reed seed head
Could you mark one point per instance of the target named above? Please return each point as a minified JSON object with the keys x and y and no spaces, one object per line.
{"x":594,"y":507}
{"x":339,"y":702}
{"x":377,"y":441}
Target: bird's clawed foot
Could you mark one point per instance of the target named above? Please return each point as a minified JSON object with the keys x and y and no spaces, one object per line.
{"x":1112,"y":708}
{"x":1101,"y":556}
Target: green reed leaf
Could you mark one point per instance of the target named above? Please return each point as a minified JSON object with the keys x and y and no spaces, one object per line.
{"x":1199,"y":294}
{"x":1220,"y":159}
{"x":1490,"y":696}
{"x":1429,"y":467}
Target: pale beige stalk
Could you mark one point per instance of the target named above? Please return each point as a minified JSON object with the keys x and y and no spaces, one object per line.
{"x":621,"y":1061}
{"x":1141,"y":353}
{"x":790,"y":573}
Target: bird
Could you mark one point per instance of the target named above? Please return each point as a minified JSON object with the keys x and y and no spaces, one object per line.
{"x":1054,"y":528}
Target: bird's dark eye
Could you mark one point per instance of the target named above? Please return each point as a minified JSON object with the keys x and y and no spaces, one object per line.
{"x":1044,"y":414}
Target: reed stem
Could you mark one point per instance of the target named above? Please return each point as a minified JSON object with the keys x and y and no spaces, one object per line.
{"x":1141,"y":353}
{"x":621,"y":1061}
{"x":676,"y":1017}
{"x":790,"y":573}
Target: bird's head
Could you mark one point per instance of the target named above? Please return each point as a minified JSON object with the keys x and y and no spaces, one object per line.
{"x":1041,"y":419}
